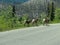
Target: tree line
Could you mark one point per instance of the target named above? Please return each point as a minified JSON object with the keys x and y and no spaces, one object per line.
{"x":11,"y":20}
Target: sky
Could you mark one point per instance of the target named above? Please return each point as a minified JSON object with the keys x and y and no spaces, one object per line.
{"x":13,"y":1}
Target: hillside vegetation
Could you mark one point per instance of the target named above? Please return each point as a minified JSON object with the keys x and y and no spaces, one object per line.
{"x":10,"y":20}
{"x":7,"y":21}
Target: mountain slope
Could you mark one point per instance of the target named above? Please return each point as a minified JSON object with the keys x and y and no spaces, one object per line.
{"x":31,"y":7}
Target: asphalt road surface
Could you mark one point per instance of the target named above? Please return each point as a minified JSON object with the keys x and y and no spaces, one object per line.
{"x":41,"y":35}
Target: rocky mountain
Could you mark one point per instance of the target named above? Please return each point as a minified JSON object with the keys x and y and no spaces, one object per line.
{"x":36,"y":7}
{"x":31,"y":7}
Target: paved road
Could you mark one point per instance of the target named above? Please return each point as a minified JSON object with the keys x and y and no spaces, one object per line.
{"x":41,"y":35}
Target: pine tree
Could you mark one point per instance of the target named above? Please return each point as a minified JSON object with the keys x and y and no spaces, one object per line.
{"x":48,"y":9}
{"x":13,"y":11}
{"x":13,"y":16}
{"x":52,"y":12}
